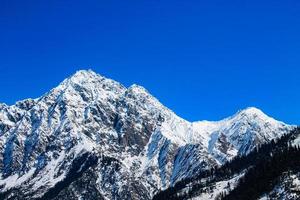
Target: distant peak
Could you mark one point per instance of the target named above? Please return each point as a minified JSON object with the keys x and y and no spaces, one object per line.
{"x":252,"y":112}
{"x":138,"y":89}
{"x":84,"y":72}
{"x":81,"y":74}
{"x":140,"y":92}
{"x":83,"y":77}
{"x":89,"y":80}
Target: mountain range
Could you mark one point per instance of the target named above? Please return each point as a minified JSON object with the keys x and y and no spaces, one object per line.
{"x":93,"y":138}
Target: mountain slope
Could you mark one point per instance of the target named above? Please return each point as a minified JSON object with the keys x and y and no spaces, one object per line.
{"x":270,"y":171}
{"x":123,"y":140}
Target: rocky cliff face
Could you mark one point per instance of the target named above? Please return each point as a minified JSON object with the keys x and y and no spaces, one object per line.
{"x":93,"y":138}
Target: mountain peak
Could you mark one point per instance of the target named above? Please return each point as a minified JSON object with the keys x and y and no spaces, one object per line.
{"x":84,"y":76}
{"x":252,"y":111}
{"x":89,"y":86}
{"x":81,"y":77}
{"x":138,"y":89}
{"x":84,"y":72}
{"x":255,"y":115}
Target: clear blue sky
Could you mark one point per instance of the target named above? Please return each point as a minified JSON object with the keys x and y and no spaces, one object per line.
{"x":202,"y":59}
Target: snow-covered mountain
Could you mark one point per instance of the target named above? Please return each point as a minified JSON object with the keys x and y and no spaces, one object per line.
{"x":93,"y":138}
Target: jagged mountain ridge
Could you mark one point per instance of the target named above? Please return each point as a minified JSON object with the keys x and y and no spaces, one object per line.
{"x":140,"y":144}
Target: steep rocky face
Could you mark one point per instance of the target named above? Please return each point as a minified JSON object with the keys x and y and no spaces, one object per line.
{"x":93,"y":138}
